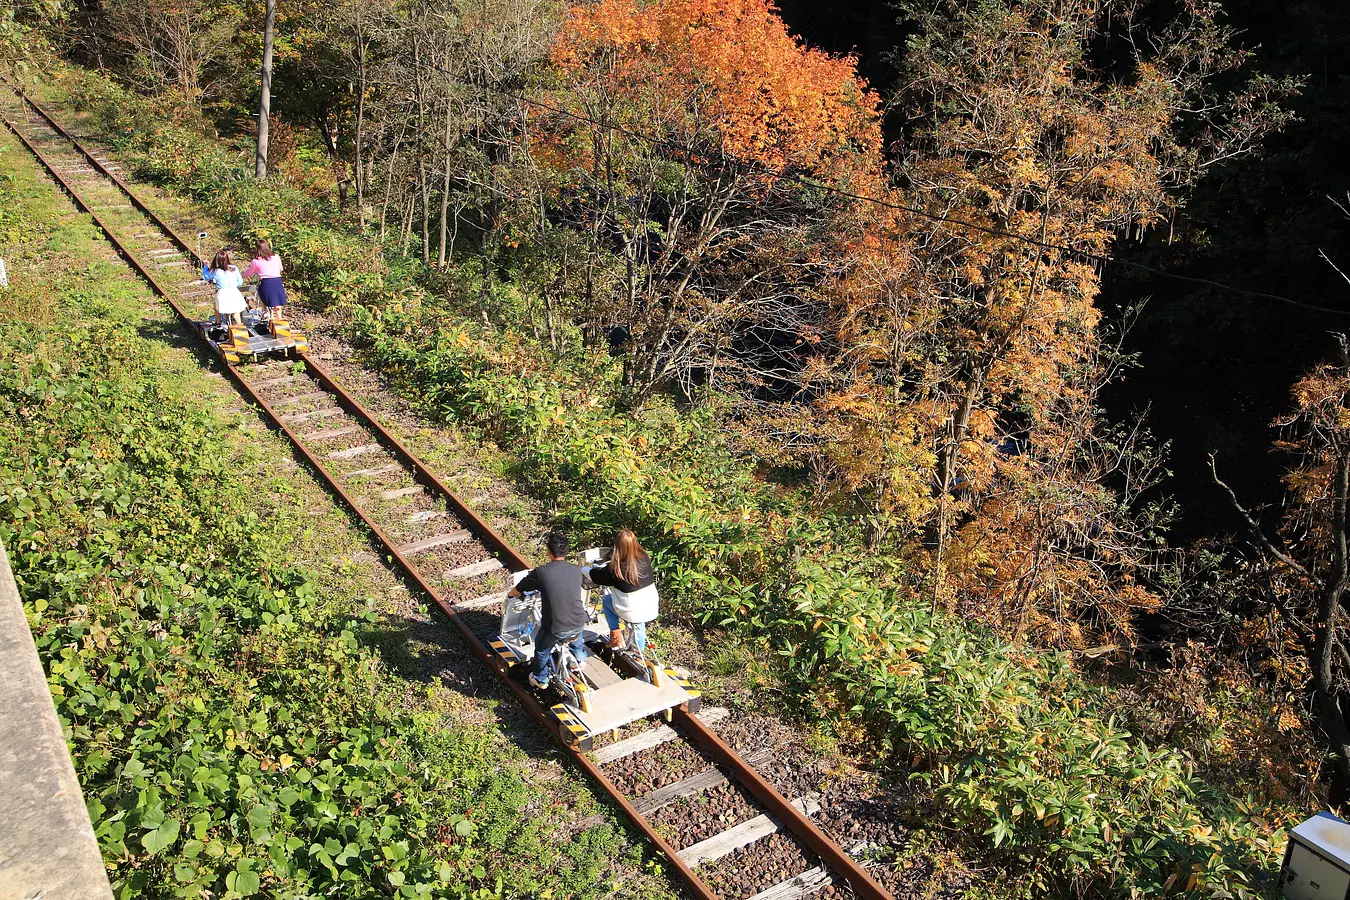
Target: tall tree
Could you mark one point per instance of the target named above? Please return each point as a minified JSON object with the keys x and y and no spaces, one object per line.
{"x":1303,"y":570}
{"x":265,"y":91}
{"x":178,"y":46}
{"x":1039,"y":132}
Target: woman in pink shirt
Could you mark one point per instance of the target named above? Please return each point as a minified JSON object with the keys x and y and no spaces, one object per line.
{"x":267,"y":266}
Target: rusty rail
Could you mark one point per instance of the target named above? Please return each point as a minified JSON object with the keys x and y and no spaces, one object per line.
{"x":774,"y":802}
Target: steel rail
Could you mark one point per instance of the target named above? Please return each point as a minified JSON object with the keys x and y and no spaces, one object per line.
{"x":830,"y":853}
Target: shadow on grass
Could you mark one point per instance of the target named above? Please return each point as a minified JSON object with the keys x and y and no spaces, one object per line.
{"x":172,"y":333}
{"x":432,"y":651}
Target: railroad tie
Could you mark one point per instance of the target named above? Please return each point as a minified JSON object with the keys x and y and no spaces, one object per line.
{"x":299,"y":398}
{"x":480,"y":602}
{"x":482,"y":567}
{"x":312,"y":414}
{"x":395,"y":493}
{"x":653,"y":737}
{"x":742,"y":835}
{"x":377,"y":470}
{"x":805,"y":883}
{"x":431,"y":543}
{"x":425,"y":515}
{"x":706,"y":780}
{"x":354,"y":451}
{"x":330,"y":433}
{"x":274,"y":382}
{"x":798,"y":886}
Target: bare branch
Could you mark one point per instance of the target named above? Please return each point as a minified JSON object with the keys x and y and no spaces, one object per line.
{"x":1258,"y":532}
{"x":1322,"y":253}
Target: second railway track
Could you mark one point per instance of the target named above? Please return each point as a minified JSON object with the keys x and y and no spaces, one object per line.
{"x":462,"y":565}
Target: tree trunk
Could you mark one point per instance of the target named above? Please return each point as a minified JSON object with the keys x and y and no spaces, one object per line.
{"x":408,"y":223}
{"x":424,"y":190}
{"x":1322,"y":660}
{"x":265,"y":91}
{"x":359,"y":169}
{"x":389,"y":184}
{"x":445,"y":181}
{"x":947,"y":459}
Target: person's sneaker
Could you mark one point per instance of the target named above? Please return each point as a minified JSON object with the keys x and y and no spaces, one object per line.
{"x":537,"y":684}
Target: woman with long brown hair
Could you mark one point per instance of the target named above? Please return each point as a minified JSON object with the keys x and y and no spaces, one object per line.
{"x":267,"y":266}
{"x":222,"y":272}
{"x":632,"y":594}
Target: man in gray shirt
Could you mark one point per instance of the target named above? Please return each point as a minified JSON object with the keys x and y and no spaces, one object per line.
{"x":564,"y":615}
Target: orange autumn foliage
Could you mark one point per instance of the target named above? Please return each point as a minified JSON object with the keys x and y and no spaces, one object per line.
{"x":732,"y":67}
{"x":964,"y":400}
{"x":684,"y":117}
{"x":939,"y":379}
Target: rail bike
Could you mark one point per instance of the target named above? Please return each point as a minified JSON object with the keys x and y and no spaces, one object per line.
{"x":612,"y":687}
{"x":257,"y":338}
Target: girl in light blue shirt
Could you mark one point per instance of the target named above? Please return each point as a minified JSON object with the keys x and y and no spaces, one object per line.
{"x":230,"y":302}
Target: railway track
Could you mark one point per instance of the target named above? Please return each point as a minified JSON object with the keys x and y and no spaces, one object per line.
{"x":704,"y":806}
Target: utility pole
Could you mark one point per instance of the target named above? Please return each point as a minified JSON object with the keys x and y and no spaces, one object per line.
{"x":265,"y":91}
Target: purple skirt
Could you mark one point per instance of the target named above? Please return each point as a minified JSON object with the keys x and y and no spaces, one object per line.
{"x":271,"y":292}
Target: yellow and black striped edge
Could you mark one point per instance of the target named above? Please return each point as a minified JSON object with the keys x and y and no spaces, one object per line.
{"x":239,"y":339}
{"x":680,"y":681}
{"x":695,"y":701}
{"x":573,"y":730}
{"x":281,"y":330}
{"x":226,"y":349}
{"x":504,"y":652}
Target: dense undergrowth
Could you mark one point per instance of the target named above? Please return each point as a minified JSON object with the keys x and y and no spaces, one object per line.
{"x":1009,"y":739}
{"x":233,"y":732}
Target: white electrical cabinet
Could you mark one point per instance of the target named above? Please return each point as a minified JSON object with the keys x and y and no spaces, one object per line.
{"x":1317,"y":860}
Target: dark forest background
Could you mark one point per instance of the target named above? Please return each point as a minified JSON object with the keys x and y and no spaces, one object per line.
{"x":1215,"y":367}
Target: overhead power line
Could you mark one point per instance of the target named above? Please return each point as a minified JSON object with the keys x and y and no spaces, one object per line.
{"x":726,"y":159}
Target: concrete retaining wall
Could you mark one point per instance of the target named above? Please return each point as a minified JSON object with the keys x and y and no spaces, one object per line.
{"x":47,"y":846}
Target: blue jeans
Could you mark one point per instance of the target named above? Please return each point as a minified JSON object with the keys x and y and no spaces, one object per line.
{"x":544,"y":642}
{"x":612,"y":619}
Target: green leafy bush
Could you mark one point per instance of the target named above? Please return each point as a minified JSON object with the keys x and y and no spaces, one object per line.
{"x":15,"y":224}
